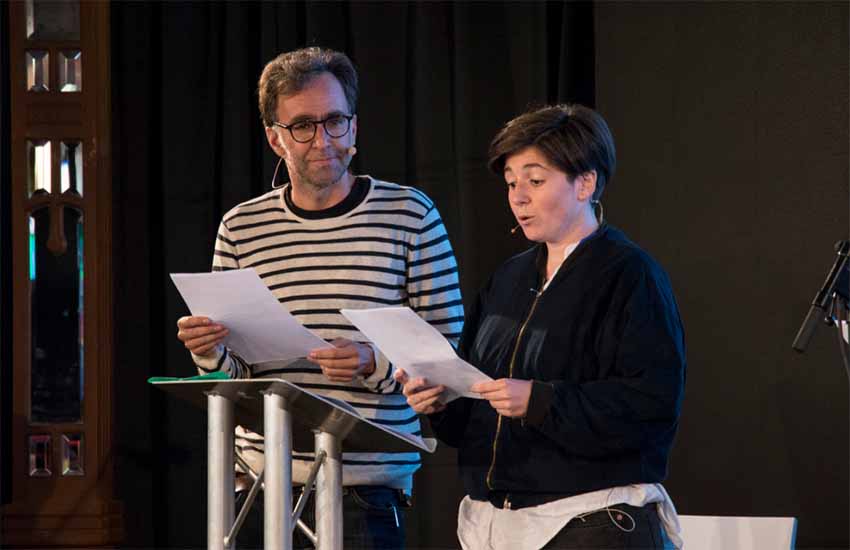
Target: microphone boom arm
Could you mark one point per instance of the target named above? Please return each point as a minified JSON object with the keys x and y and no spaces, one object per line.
{"x":821,"y":304}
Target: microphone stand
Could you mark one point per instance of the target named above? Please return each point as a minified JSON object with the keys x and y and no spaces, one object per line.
{"x":832,"y":306}
{"x":841,"y":316}
{"x":824,"y":306}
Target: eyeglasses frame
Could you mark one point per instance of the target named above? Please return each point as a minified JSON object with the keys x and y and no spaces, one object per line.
{"x":316,"y":124}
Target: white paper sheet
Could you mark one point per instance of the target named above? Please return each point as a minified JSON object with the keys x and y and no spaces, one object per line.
{"x":409,"y":342}
{"x":260,"y":327}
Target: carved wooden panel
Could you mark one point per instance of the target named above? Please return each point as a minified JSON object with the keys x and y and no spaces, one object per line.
{"x":62,"y":481}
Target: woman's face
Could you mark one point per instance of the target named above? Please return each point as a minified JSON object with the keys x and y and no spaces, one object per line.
{"x":547,"y":205}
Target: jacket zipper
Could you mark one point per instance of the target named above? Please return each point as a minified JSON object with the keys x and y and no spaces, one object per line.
{"x":510,"y":375}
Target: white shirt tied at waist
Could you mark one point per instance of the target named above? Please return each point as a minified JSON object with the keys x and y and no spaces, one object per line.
{"x":482,"y":526}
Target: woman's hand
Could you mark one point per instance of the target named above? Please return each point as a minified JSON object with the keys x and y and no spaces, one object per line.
{"x":508,"y":396}
{"x":421,"y":397}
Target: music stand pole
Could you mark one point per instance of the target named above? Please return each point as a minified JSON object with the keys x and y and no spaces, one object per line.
{"x":277,"y":517}
{"x":329,"y":493}
{"x":220,"y":485}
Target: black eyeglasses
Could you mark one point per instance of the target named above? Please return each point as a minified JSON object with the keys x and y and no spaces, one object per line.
{"x":303,"y":131}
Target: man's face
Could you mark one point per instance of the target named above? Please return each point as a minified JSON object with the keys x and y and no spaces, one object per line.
{"x":322,"y":161}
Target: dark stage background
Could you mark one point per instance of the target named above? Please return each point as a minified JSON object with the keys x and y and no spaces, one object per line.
{"x":732,"y":125}
{"x":731,"y":122}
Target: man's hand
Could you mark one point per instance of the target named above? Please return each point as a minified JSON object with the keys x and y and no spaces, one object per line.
{"x":508,"y":396}
{"x":345,"y":361}
{"x":421,"y":397}
{"x":200,"y":335}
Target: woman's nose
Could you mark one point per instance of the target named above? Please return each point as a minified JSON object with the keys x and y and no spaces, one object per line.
{"x":518,"y":195}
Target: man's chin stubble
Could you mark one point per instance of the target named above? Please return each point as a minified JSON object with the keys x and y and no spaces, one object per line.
{"x":321,"y":185}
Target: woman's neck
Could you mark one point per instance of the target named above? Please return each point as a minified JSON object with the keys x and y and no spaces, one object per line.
{"x":555,"y":250}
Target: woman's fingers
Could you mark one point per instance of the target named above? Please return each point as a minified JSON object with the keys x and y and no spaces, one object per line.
{"x":401,"y":377}
{"x":422,"y":397}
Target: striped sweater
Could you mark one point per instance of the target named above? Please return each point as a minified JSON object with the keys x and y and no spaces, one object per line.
{"x":389,"y":249}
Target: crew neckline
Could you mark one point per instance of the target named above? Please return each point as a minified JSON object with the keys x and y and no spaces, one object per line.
{"x":359,"y":190}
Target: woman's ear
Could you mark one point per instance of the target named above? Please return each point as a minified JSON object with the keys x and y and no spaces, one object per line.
{"x":586,"y":185}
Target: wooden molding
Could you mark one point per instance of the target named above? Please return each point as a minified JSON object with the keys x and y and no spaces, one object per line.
{"x":64,"y":511}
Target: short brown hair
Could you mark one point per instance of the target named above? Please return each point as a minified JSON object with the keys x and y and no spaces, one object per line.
{"x":289,"y":72}
{"x":574,"y":138}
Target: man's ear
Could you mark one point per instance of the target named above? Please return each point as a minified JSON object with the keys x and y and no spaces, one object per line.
{"x":275,"y":141}
{"x":586,"y":185}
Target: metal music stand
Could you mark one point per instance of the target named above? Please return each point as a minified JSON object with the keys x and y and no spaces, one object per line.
{"x":290,"y":417}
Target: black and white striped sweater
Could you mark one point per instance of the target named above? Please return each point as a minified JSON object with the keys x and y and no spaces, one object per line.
{"x":390,"y":248}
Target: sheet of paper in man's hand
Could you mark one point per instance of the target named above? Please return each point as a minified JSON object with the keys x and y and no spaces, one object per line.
{"x":260,"y":327}
{"x":409,"y":342}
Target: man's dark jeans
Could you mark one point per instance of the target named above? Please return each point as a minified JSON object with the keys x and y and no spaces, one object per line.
{"x":373,"y":518}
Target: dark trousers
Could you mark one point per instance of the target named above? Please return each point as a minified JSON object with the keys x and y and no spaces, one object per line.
{"x":626,"y":527}
{"x":373,"y":519}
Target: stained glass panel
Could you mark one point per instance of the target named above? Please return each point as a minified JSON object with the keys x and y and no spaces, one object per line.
{"x":56,"y":302}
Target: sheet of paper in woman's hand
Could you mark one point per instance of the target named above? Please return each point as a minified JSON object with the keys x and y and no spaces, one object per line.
{"x":409,"y":342}
{"x":260,"y":328}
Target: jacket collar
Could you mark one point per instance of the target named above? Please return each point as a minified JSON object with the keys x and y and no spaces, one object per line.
{"x":541,"y":254}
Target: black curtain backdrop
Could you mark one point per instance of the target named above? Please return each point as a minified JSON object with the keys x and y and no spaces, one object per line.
{"x":436,"y":82}
{"x":731,"y":123}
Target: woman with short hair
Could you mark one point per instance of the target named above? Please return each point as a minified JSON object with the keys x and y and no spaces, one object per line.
{"x":581,"y":333}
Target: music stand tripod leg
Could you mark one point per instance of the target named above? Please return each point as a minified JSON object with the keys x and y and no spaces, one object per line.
{"x":329,"y":493}
{"x":220,"y":486}
{"x":277,"y":514}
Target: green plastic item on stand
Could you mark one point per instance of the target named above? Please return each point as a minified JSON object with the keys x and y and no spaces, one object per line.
{"x":210,"y":376}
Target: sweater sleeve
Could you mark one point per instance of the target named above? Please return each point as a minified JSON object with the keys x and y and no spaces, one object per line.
{"x":639,"y":403}
{"x":225,"y":257}
{"x":450,"y":424}
{"x":433,"y":291}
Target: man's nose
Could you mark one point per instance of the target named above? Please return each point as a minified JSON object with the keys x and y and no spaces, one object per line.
{"x":321,"y":137}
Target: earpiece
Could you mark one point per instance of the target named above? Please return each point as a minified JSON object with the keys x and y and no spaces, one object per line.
{"x":594,"y":203}
{"x":275,"y":185}
{"x":352,"y":151}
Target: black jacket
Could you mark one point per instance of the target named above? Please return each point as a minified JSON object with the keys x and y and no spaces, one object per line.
{"x":605,"y":349}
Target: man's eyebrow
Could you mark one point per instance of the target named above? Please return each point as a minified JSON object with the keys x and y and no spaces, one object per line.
{"x":305,"y":117}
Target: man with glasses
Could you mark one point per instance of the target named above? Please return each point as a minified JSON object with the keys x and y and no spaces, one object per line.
{"x":329,"y":240}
